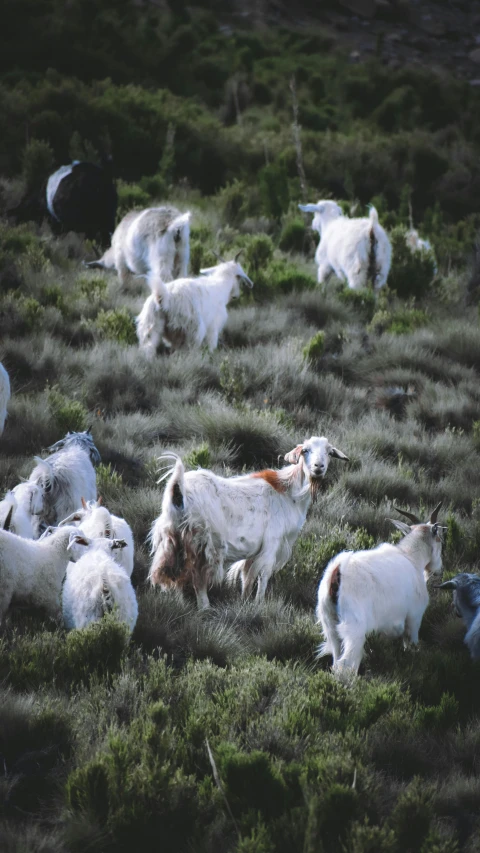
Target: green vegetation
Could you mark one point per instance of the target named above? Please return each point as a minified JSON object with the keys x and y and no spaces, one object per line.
{"x":221,"y":730}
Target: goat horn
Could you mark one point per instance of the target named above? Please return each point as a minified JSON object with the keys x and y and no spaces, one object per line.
{"x":84,"y":503}
{"x":218,"y":257}
{"x":238,"y":255}
{"x":433,"y":517}
{"x":8,"y":520}
{"x":100,"y":500}
{"x":409,"y":515}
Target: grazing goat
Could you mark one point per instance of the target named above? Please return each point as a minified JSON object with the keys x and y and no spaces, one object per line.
{"x":32,"y":572}
{"x":384,"y":590}
{"x":251,"y":521}
{"x":95,"y":522}
{"x":96,"y":584}
{"x":66,"y":476}
{"x":82,"y":197}
{"x":4,"y":395}
{"x":466,"y":598}
{"x":190,"y":311}
{"x":26,"y":502}
{"x":154,"y":242}
{"x":357,"y":250}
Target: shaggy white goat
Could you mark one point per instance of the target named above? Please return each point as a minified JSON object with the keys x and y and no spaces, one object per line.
{"x":95,"y":522}
{"x":32,"y":572}
{"x":26,"y":502}
{"x":251,"y":521}
{"x":154,"y":242}
{"x":95,"y":583}
{"x":417,"y":244}
{"x":466,"y":598}
{"x":190,"y":310}
{"x":384,"y":590}
{"x":65,"y":477}
{"x":357,"y":250}
{"x":4,"y":395}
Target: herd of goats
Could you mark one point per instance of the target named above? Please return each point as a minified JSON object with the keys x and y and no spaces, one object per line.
{"x":62,"y":550}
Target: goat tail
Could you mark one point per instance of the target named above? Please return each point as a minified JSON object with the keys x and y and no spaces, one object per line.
{"x":161,"y":296}
{"x":372,"y":249}
{"x":327,"y":610}
{"x":107,"y":601}
{"x":180,"y":227}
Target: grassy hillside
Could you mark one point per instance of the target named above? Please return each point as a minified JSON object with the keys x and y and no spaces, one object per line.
{"x":220,"y":731}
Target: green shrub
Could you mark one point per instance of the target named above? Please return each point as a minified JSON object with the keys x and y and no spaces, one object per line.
{"x":130,"y":196}
{"x":31,"y":312}
{"x":362,"y":301}
{"x":53,"y":295}
{"x":412,"y":815}
{"x":401,"y":322}
{"x":251,"y":781}
{"x":93,"y":287}
{"x":411,"y":273}
{"x":117,"y":325}
{"x":108,"y":479}
{"x":37,"y":163}
{"x":69,"y":415}
{"x":315,"y":347}
{"x":199,"y":457}
{"x":196,"y":256}
{"x":281,"y":277}
{"x":274,"y":190}
{"x":233,"y":382}
{"x":293,"y":236}
{"x":258,"y":254}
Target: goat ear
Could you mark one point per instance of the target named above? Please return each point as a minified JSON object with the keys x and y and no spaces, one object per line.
{"x":332,"y":451}
{"x":451,"y":584}
{"x":78,"y":539}
{"x":8,"y":520}
{"x":294,"y":455}
{"x":400,"y":525}
{"x":118,"y":543}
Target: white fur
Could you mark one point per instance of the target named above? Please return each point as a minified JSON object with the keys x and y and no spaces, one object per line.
{"x":32,"y":572}
{"x":346,"y":245}
{"x":150,"y":242}
{"x":64,"y":477}
{"x":189,"y":310}
{"x":417,"y":244}
{"x":4,"y":395}
{"x":208,"y":521}
{"x":96,"y":584}
{"x":384,"y":590}
{"x":27,"y":502}
{"x":96,"y":522}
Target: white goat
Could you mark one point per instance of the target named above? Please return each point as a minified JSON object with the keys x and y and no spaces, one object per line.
{"x":417,"y":244}
{"x":357,"y":250}
{"x":96,"y":584}
{"x":26,"y":502}
{"x":66,"y":476}
{"x":95,"y":522}
{"x":32,"y":572}
{"x":384,"y":590}
{"x":251,"y":521}
{"x":154,"y":242}
{"x":4,"y":395}
{"x":190,"y":310}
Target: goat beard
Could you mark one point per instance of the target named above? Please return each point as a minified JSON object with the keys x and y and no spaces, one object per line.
{"x":315,"y":486}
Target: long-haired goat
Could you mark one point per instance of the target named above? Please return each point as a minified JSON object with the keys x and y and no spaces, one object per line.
{"x":32,"y":572}
{"x":357,"y":250}
{"x":251,"y":521}
{"x":4,"y":395}
{"x":466,"y":598}
{"x":384,"y":590}
{"x":96,"y":522}
{"x":190,"y":311}
{"x":66,"y":476}
{"x":95,"y":584}
{"x":154,"y":242}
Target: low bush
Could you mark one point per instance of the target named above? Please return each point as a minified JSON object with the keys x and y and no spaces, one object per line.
{"x":411,"y":273}
{"x":117,"y":325}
